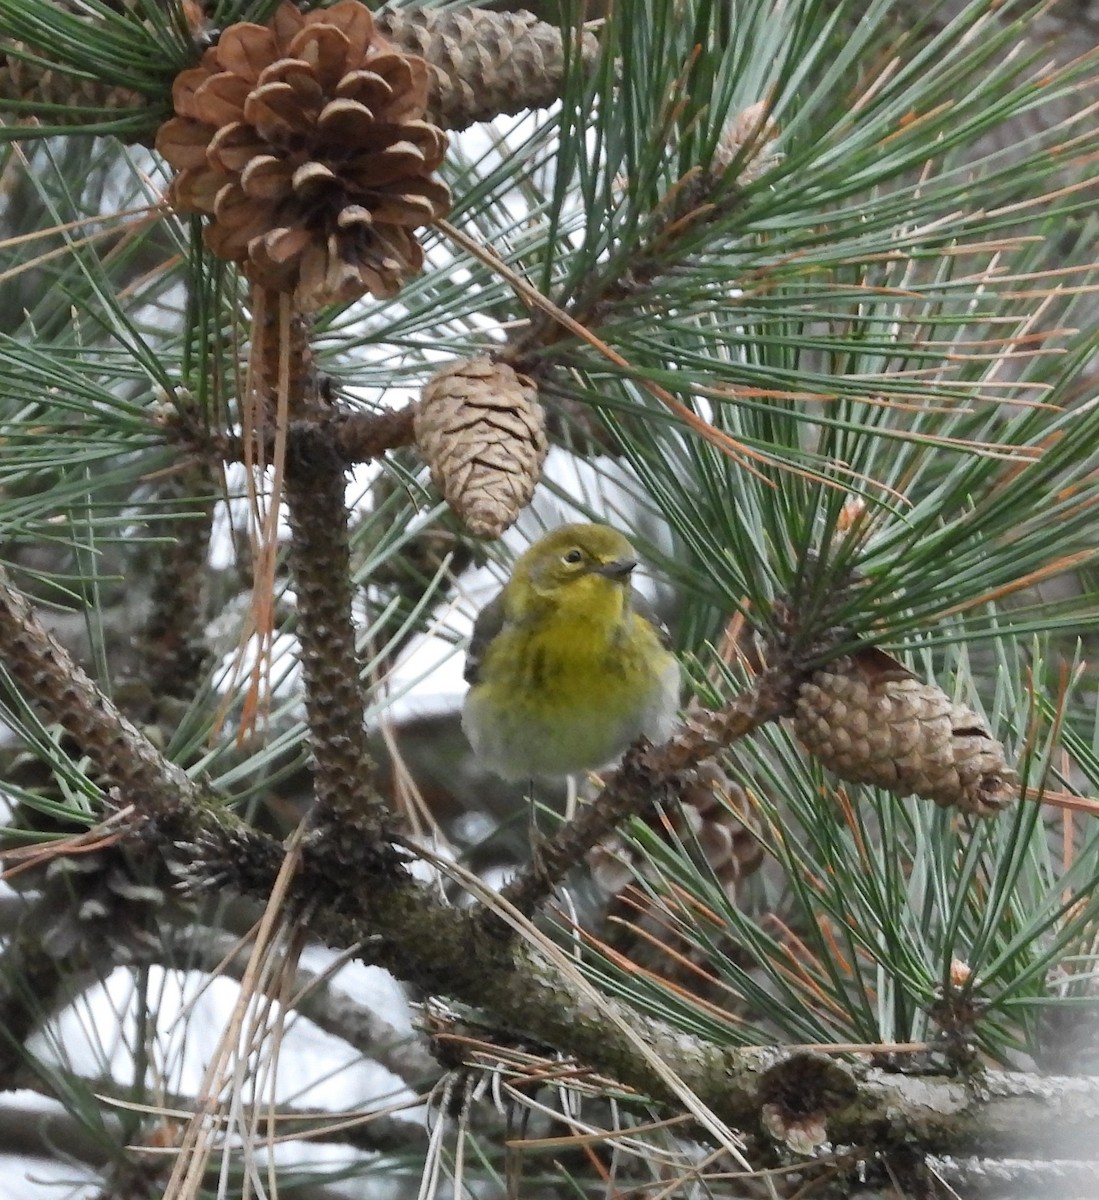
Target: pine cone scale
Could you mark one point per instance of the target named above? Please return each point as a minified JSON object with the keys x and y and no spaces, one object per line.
{"x":192,"y":148}
{"x":276,"y":111}
{"x":264,"y":178}
{"x":231,"y":148}
{"x":220,"y":99}
{"x":245,"y":50}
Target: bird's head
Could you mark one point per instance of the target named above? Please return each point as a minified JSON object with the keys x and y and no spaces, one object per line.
{"x":586,"y":567}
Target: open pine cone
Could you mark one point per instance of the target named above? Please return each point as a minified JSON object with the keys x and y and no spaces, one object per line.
{"x":304,"y":143}
{"x":714,"y":820}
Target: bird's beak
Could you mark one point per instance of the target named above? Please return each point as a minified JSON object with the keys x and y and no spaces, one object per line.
{"x":618,"y":568}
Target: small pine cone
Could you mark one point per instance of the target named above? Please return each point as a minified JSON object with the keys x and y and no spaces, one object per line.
{"x":484,"y":64}
{"x":870,"y":720}
{"x":110,"y":900}
{"x":720,"y":818}
{"x":714,"y":815}
{"x":481,"y":431}
{"x":303,"y":141}
{"x":36,"y":83}
{"x":754,"y":129}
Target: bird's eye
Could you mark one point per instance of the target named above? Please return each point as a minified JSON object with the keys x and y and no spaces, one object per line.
{"x":574,"y":555}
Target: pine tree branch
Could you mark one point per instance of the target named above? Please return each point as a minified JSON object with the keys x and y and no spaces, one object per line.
{"x":704,"y":197}
{"x":347,"y":805}
{"x":357,"y":437}
{"x":26,"y":1132}
{"x":445,"y":951}
{"x":785,"y":1096}
{"x":123,"y":756}
{"x":173,"y":643}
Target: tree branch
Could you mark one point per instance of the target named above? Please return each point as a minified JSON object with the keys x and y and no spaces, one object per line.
{"x":346,"y":803}
{"x":120,"y":752}
{"x":35,"y":1133}
{"x":786,"y":1096}
{"x":403,"y":927}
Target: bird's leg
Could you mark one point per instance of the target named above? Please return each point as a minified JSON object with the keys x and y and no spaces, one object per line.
{"x":572,"y":797}
{"x":534,"y":834}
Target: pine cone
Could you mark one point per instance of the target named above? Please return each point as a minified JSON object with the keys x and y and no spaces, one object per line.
{"x":752,"y":128}
{"x":108,"y":899}
{"x":42,"y":83}
{"x":481,"y":431}
{"x":716,"y":825}
{"x":714,"y":815}
{"x":303,"y":141}
{"x":870,"y":720}
{"x":39,"y":84}
{"x":484,"y":63}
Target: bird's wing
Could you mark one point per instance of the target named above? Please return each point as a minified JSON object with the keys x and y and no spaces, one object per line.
{"x":645,"y":610}
{"x":489,"y":622}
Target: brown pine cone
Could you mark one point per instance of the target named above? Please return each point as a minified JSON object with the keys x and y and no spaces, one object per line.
{"x":481,"y":431}
{"x":485,"y":63}
{"x":39,"y":83}
{"x":870,"y":720}
{"x":303,"y":141}
{"x":714,"y":815}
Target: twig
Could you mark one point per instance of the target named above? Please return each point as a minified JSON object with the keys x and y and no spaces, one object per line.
{"x":27,"y":1132}
{"x":123,"y":756}
{"x":356,"y":437}
{"x":329,"y":1008}
{"x":346,"y":803}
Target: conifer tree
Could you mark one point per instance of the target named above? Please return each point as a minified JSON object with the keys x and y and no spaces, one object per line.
{"x":316,"y":315}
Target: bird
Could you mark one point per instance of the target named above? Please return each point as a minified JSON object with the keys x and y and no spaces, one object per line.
{"x":568,"y":665}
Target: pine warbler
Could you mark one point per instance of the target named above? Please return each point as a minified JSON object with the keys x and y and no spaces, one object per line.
{"x":567,"y":664}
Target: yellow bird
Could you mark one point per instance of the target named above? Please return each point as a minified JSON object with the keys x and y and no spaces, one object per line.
{"x":568,"y":665}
